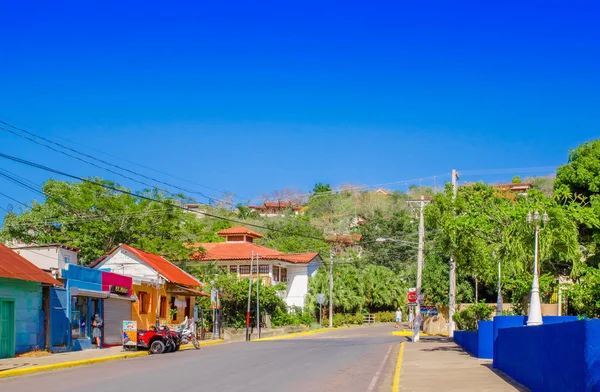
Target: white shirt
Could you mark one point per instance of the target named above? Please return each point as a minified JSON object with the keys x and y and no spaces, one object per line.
{"x":399,"y":314}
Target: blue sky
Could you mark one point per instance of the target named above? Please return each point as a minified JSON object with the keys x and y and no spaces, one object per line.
{"x":250,"y":97}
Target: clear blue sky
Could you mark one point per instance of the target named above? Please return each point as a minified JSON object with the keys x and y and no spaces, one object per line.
{"x":252,"y":97}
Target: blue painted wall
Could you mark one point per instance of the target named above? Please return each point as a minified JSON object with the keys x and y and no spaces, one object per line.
{"x":485,"y":339}
{"x":552,"y":357}
{"x":28,"y":305}
{"x":520,"y":321}
{"x":467,"y":340}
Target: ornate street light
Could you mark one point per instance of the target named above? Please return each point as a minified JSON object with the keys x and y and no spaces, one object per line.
{"x":535,"y":307}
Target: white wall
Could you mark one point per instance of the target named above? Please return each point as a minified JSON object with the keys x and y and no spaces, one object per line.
{"x":48,"y":257}
{"x":297,"y":285}
{"x":125,"y":263}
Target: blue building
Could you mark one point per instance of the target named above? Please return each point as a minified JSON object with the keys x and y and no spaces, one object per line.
{"x":21,"y":304}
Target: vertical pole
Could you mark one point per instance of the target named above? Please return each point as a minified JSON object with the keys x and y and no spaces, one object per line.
{"x":535,"y":309}
{"x":499,"y":299}
{"x":331,"y":288}
{"x":257,"y":297}
{"x":417,"y":324}
{"x":249,"y":300}
{"x":320,"y":315}
{"x":452,"y":294}
{"x":156,"y":286}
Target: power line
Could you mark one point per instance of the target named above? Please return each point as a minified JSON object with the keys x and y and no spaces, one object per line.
{"x":94,"y":158}
{"x":59,"y":172}
{"x":15,"y":200}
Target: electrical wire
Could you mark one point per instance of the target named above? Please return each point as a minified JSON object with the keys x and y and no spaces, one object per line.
{"x":94,"y":158}
{"x":62,"y":173}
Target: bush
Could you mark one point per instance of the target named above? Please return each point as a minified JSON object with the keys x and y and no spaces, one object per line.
{"x":385,"y":317}
{"x":466,"y":320}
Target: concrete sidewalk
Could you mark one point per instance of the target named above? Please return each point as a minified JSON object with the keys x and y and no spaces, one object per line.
{"x":438,"y":364}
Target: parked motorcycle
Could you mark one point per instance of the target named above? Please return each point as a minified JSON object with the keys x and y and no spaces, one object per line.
{"x":187,"y":333}
{"x":158,"y":341}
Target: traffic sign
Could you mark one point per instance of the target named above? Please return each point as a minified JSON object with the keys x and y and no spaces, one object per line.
{"x":321,"y":298}
{"x":412,"y":297}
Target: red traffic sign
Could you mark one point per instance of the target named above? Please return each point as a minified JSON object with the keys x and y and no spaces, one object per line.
{"x":412,"y":296}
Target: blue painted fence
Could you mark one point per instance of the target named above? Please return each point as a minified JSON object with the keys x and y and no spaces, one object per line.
{"x":477,"y":343}
{"x":552,"y":357}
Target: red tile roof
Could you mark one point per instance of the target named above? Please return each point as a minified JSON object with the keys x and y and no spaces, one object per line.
{"x":240,"y":230}
{"x":14,"y":266}
{"x":348,"y":239}
{"x":243,"y":251}
{"x":161,"y":265}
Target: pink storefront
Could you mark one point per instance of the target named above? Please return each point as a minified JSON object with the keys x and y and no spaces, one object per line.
{"x":117,"y":306}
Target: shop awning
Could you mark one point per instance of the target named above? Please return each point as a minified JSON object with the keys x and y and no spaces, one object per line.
{"x":76,"y":291}
{"x":187,"y":291}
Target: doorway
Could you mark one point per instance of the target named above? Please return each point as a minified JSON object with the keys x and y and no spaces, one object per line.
{"x":7,"y":328}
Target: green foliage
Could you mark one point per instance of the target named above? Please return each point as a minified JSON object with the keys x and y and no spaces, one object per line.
{"x":516,"y":180}
{"x":582,"y":174}
{"x":97,"y":219}
{"x":520,"y":287}
{"x":466,"y":320}
{"x":321,"y":188}
{"x":234,"y":299}
{"x":289,"y":234}
{"x":584,"y":296}
{"x":359,"y":287}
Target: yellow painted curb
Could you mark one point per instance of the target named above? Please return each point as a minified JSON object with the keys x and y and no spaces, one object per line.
{"x":396,"y":382}
{"x":409,"y":333}
{"x":70,"y":364}
{"x":296,"y":334}
{"x":202,"y":344}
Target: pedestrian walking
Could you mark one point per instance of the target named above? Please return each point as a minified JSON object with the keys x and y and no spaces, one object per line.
{"x":411,"y":319}
{"x":398,"y":317}
{"x":97,"y":332}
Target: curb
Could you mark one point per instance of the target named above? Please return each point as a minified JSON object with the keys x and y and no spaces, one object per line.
{"x":190,"y":346}
{"x":91,"y":361}
{"x":422,"y":334}
{"x":296,"y":334}
{"x":70,"y":364}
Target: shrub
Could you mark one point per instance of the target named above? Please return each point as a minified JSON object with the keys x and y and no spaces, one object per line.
{"x":466,"y":320}
{"x":385,"y":317}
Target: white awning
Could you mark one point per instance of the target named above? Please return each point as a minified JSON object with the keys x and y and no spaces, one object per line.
{"x":76,"y":291}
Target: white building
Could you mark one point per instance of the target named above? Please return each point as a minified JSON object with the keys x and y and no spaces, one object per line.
{"x":235,"y":254}
{"x":49,"y":257}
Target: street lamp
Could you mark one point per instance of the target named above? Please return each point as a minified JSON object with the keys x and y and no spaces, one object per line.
{"x":535,"y":307}
{"x":499,"y":297}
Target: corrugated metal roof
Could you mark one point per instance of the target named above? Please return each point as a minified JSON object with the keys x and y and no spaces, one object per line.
{"x":14,"y":266}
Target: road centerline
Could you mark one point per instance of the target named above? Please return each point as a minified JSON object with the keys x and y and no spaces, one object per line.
{"x":378,"y":373}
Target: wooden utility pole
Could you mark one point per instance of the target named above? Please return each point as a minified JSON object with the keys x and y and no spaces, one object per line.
{"x":452,"y":299}
{"x":419,"y":205}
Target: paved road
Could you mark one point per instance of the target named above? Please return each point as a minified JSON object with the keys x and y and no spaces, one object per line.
{"x":343,"y":360}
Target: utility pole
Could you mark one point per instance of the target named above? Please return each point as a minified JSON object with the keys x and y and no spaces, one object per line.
{"x":331,"y":288}
{"x":257,"y":296}
{"x":420,"y":205}
{"x":452,"y":299}
{"x":249,"y":300}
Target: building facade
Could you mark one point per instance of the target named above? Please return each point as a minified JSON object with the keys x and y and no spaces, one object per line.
{"x":161,"y":288}
{"x":239,"y":250}
{"x":21,"y":314}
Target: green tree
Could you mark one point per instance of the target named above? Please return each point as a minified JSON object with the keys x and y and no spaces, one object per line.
{"x":321,"y":188}
{"x":293,"y":234}
{"x":97,"y":219}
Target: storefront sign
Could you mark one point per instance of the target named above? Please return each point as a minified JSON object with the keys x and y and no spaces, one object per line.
{"x":129,"y":333}
{"x":119,"y":290}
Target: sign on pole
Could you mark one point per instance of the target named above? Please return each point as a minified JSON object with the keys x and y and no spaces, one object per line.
{"x":321,"y":298}
{"x":412,"y":297}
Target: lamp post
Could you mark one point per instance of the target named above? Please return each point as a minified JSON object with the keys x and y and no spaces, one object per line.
{"x":535,"y":307}
{"x":499,"y":298}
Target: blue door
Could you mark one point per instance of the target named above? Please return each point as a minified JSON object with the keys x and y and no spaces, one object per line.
{"x":59,"y":320}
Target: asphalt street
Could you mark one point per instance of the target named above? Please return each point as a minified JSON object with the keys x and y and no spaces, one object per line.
{"x":359,"y":359}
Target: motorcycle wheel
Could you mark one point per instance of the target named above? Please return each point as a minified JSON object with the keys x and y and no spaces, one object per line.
{"x":169,"y":348}
{"x":196,"y":343}
{"x":157,"y":347}
{"x":177,"y":348}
